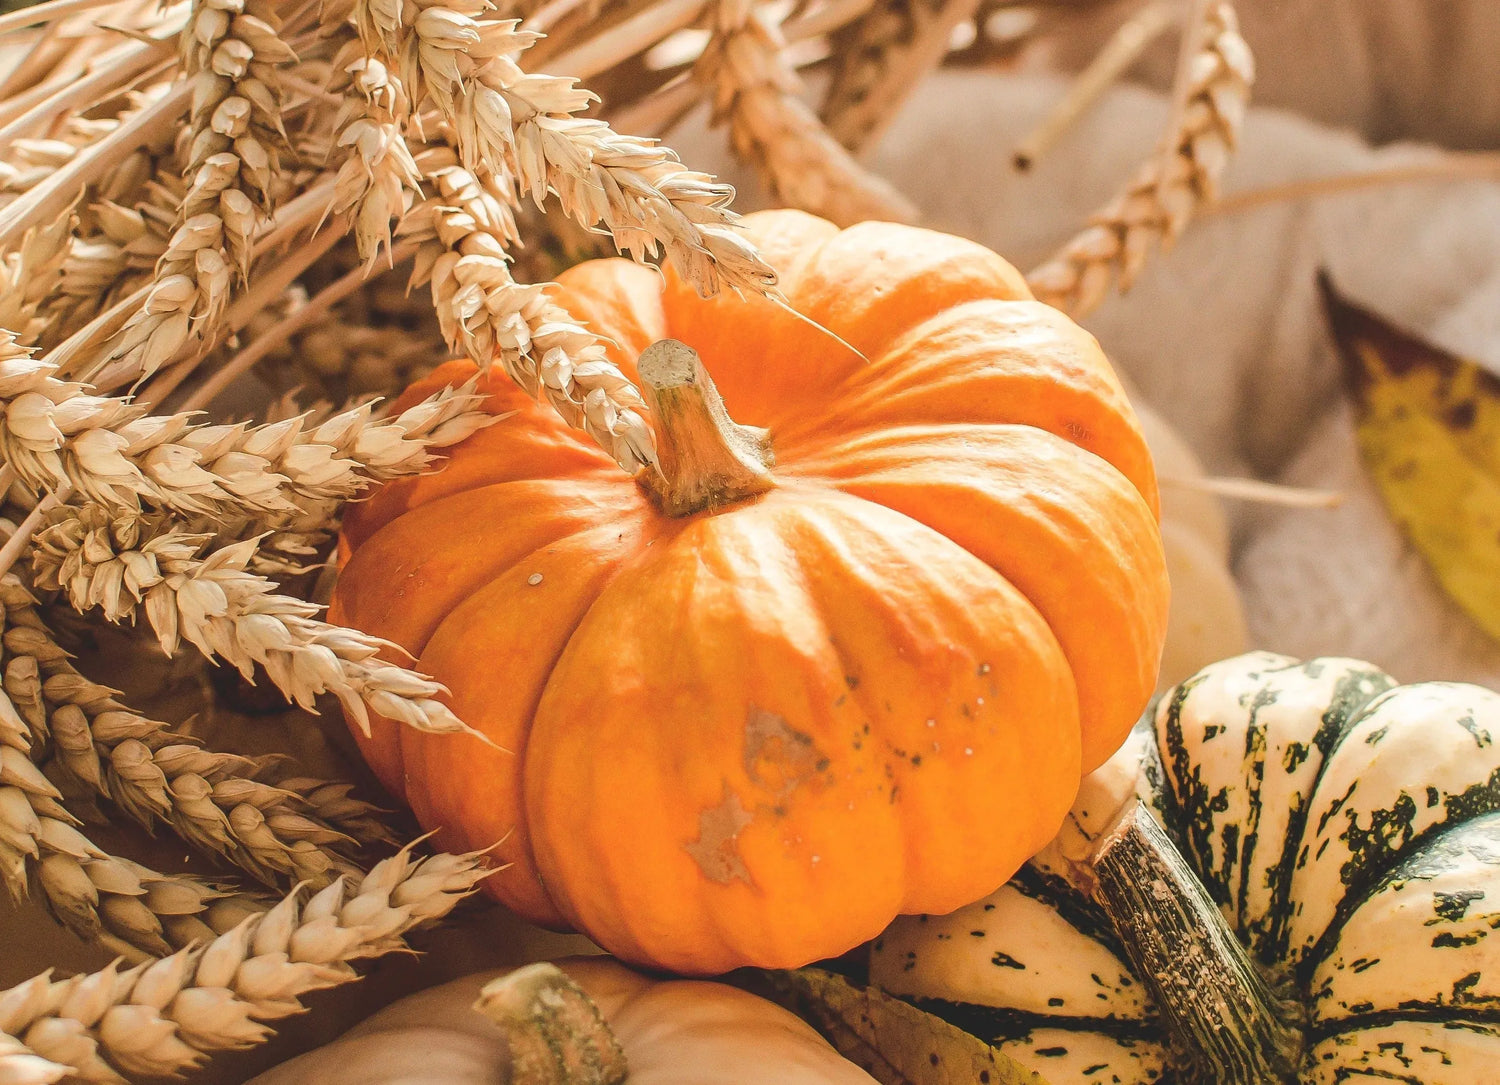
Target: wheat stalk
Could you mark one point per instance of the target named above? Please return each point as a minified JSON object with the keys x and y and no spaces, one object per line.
{"x":485,"y":313}
{"x":1212,"y":99}
{"x":54,"y":434}
{"x":166,"y":1016}
{"x":757,"y":91}
{"x":214,"y":602}
{"x":213,"y":800}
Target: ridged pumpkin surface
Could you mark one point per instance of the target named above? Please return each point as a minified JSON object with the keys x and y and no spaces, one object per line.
{"x":756,"y":734}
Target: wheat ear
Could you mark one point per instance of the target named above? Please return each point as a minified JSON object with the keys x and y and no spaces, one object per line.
{"x":167,"y":1016}
{"x":485,"y":313}
{"x":213,"y":800}
{"x":54,"y":434}
{"x":758,"y":93}
{"x":214,"y":602}
{"x":378,"y":178}
{"x":100,"y":897}
{"x":1168,"y":190}
{"x":231,"y":50}
{"x":522,"y":126}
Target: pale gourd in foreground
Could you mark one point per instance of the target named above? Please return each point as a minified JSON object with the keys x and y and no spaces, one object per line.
{"x":673,"y":1032}
{"x":1348,"y":830}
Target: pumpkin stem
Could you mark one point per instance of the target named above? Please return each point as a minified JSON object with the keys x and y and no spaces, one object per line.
{"x":556,"y":1034}
{"x":705,"y":459}
{"x":1224,"y":1019}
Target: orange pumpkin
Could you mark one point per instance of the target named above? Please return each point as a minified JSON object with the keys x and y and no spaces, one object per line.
{"x":865,"y":684}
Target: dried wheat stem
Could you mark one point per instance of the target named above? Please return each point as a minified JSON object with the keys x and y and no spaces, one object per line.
{"x":54,"y":434}
{"x":757,"y":92}
{"x":230,"y":50}
{"x":1160,"y":201}
{"x":522,"y":127}
{"x":1123,"y":49}
{"x":158,"y":116}
{"x":166,"y":1016}
{"x":214,"y":602}
{"x":652,"y":22}
{"x":80,"y":94}
{"x":51,"y":11}
{"x":485,"y":313}
{"x":215,"y":801}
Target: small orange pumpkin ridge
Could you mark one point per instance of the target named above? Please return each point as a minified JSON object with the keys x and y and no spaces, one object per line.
{"x":756,"y":734}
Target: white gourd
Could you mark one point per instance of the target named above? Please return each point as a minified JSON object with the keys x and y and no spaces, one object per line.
{"x":1348,"y":829}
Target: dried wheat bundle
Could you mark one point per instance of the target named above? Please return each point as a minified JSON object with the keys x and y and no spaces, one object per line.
{"x":165,"y":1016}
{"x":214,"y":212}
{"x":1211,"y":98}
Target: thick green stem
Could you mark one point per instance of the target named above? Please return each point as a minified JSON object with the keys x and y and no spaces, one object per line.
{"x":1223,"y":1017}
{"x":556,"y":1034}
{"x":704,"y":458}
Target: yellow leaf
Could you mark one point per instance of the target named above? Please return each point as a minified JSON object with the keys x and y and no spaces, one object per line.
{"x":894,"y":1041}
{"x":1429,"y":432}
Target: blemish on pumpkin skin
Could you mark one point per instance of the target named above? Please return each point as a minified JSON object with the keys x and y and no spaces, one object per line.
{"x":777,"y":755}
{"x":716,"y":851}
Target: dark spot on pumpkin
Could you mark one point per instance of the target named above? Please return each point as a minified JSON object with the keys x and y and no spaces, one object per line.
{"x":933,"y":1058}
{"x":1481,"y":736}
{"x":852,"y":681}
{"x":1464,"y":988}
{"x":1462,"y":415}
{"x":1447,"y":940}
{"x":1005,"y":960}
{"x":1054,"y":1001}
{"x":1452,"y":907}
{"x":1052,"y":1052}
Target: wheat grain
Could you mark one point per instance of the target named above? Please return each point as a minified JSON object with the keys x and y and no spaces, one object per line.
{"x":1169,"y":189}
{"x":215,"y":603}
{"x":757,"y":92}
{"x":54,"y":434}
{"x":166,"y":1016}
{"x":377,"y":180}
{"x":215,"y":801}
{"x":485,"y":313}
{"x":19,"y":1065}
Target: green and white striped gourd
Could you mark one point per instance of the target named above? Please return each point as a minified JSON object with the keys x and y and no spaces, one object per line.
{"x":1347,"y":828}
